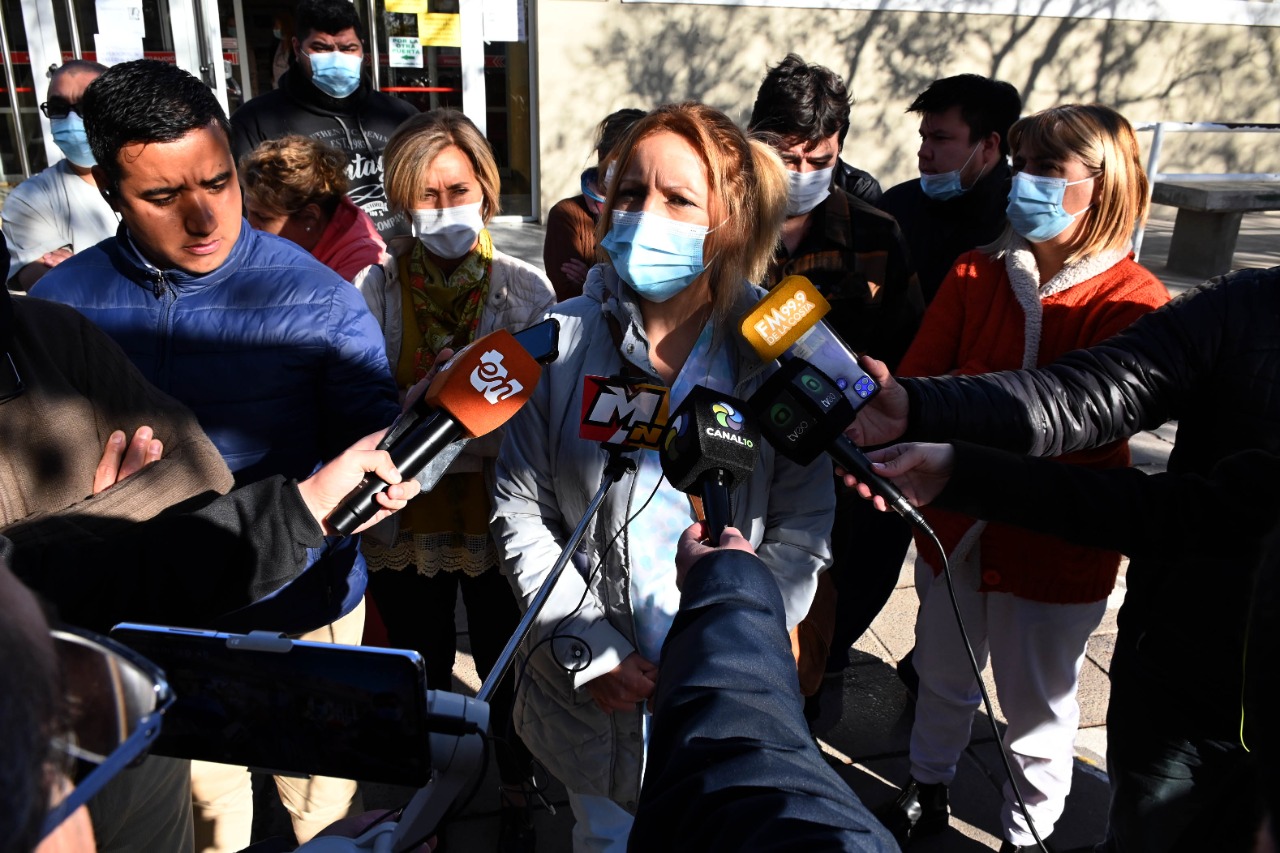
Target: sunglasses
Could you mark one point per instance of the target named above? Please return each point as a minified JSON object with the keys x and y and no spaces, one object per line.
{"x":60,"y":109}
{"x":115,"y":699}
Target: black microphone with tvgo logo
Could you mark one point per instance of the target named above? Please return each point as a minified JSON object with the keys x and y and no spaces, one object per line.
{"x":710,"y":446}
{"x":804,"y":414}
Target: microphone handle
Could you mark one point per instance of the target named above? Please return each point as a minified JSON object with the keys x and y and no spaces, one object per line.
{"x":851,"y":458}
{"x":714,"y":486}
{"x":411,"y":453}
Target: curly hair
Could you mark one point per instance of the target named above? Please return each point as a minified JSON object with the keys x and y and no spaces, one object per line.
{"x":282,"y":176}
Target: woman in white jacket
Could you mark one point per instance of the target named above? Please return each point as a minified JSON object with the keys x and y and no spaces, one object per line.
{"x":445,"y":286}
{"x":692,"y":214}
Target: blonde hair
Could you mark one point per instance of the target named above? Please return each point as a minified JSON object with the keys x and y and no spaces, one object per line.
{"x":285,"y":175}
{"x":419,"y":140}
{"x":1104,"y":141}
{"x":747,"y":192}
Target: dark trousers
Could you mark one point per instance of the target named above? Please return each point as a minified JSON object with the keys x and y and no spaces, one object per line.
{"x":1171,"y":791}
{"x":868,"y":547}
{"x":418,"y":612}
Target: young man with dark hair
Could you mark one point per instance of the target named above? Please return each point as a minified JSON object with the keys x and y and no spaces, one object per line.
{"x":56,"y":213}
{"x":796,"y":94}
{"x":958,"y":202}
{"x":277,"y":355}
{"x":324,"y":95}
{"x":857,"y":257}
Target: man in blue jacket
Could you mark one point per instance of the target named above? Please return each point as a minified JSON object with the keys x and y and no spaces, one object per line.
{"x":278,"y":357}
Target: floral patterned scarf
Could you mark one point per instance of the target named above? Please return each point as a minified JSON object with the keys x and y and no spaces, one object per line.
{"x":447,"y":310}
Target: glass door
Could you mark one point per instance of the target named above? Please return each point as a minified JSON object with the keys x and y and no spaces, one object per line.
{"x":434,"y":53}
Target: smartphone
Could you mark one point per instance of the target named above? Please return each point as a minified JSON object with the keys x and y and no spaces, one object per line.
{"x":541,"y":340}
{"x":289,"y":706}
{"x":825,"y":350}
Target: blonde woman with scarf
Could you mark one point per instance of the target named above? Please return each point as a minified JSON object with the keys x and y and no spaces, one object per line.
{"x":445,"y":286}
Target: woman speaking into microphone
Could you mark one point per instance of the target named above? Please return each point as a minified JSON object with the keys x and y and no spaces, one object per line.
{"x":691,"y":215}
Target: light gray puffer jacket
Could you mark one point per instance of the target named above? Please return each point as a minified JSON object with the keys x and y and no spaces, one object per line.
{"x":546,"y":477}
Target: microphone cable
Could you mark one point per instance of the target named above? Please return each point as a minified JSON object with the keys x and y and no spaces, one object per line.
{"x":982,"y":688}
{"x":556,"y":631}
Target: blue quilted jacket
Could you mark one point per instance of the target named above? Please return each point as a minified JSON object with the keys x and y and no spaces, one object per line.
{"x":279,"y":358}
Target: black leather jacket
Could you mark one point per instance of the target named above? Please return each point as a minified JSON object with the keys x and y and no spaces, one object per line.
{"x":1210,"y":360}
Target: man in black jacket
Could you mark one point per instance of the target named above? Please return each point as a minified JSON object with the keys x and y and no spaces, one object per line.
{"x":1185,"y":692}
{"x":958,"y":202}
{"x":324,"y":95}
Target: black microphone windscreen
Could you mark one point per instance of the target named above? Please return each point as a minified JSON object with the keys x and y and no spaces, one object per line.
{"x":801,"y":411}
{"x":710,"y":432}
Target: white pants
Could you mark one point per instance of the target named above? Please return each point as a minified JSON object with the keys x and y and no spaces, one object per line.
{"x":222,"y":794}
{"x":1036,"y":652}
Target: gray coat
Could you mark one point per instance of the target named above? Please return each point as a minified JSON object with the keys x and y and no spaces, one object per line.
{"x":546,"y":477}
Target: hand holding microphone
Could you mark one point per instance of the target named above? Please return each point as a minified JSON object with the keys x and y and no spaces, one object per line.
{"x":806,"y":406}
{"x":709,"y":448}
{"x":804,"y":414}
{"x":921,"y":470}
{"x":477,"y":391}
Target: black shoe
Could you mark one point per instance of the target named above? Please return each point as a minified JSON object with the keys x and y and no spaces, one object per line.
{"x":919,"y":810}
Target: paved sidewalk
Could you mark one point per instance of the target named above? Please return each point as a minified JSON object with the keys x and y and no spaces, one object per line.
{"x":866,"y":738}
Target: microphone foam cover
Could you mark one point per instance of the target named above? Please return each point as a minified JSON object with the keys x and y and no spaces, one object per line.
{"x":709,"y":431}
{"x":789,"y":310}
{"x":801,"y":411}
{"x":485,"y":383}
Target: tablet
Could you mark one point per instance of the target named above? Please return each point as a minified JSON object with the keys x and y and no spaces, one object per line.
{"x":290,"y":707}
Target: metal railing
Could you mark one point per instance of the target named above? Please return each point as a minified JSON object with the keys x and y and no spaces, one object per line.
{"x":1159,"y":128}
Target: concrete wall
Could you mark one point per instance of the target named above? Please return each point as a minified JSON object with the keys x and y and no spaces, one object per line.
{"x":596,"y":56}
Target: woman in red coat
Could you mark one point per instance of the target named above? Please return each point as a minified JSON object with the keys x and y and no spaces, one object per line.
{"x":1061,"y":277}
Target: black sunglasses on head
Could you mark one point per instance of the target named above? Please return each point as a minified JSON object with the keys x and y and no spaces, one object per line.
{"x":60,"y":109}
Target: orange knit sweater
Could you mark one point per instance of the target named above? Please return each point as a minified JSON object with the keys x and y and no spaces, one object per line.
{"x":983,"y":320}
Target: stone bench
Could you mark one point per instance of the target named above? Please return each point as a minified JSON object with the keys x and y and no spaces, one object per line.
{"x":1208,"y":223}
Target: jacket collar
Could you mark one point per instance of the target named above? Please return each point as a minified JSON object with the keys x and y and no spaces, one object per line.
{"x":146,"y":274}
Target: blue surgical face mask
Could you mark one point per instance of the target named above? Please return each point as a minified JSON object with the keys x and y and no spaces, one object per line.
{"x":658,"y":257}
{"x":590,"y":179}
{"x":335,"y":73}
{"x":807,"y":190}
{"x":1035,"y":206}
{"x":69,"y":135}
{"x":946,"y":185}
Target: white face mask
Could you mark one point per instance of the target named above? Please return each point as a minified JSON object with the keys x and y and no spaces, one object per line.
{"x":808,"y":190}
{"x":449,"y":232}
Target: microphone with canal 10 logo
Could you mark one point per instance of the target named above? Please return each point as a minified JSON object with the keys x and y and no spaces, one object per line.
{"x":480,"y":388}
{"x":709,"y":448}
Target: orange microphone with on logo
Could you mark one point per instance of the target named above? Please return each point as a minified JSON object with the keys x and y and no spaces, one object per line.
{"x":477,"y":391}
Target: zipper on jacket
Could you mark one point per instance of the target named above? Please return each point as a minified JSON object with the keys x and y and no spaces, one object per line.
{"x":167,"y":295}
